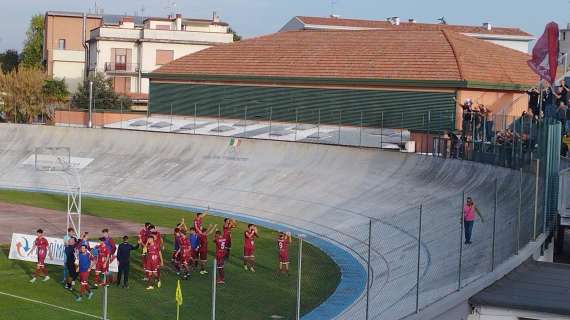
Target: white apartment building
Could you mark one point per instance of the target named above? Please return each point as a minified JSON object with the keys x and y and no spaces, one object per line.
{"x":126,"y":50}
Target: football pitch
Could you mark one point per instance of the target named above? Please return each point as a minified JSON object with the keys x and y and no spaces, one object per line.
{"x":245,"y":295}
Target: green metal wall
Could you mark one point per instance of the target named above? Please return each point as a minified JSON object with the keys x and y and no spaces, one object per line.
{"x":390,"y":109}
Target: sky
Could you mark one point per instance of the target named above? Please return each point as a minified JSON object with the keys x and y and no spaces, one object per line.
{"x":257,"y":17}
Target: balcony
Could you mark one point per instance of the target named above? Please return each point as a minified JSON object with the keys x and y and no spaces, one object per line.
{"x":111,"y":67}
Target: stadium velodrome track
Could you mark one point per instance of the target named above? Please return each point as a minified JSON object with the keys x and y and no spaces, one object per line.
{"x":328,"y":192}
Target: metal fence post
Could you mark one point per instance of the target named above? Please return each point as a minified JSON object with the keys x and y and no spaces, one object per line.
{"x":339,"y":125}
{"x":121,"y":114}
{"x":419,"y":261}
{"x":270,"y":115}
{"x":361,"y":124}
{"x":214,"y":275}
{"x":296,"y":122}
{"x":171,"y":117}
{"x":319,"y":124}
{"x":461,"y":223}
{"x":536,"y":199}
{"x":494,"y":229}
{"x":429,"y":133}
{"x":368,"y":275}
{"x":219,"y":115}
{"x":195,"y":110}
{"x":299,"y":268}
{"x":402,"y":129}
{"x":105,"y":292}
{"x":245,"y":120}
{"x":381,"y":129}
{"x":519,"y":212}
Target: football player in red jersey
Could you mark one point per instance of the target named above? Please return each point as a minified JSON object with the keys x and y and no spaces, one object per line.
{"x":221,"y":252}
{"x":249,"y":247}
{"x":198,"y":220}
{"x":203,"y":247}
{"x":184,"y":255}
{"x":102,"y":264}
{"x":283,"y":245}
{"x":143,"y":237}
{"x":153,"y":262}
{"x":42,"y":245}
{"x":229,"y":225}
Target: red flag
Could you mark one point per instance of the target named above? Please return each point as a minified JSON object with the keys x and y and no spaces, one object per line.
{"x":544,"y":60}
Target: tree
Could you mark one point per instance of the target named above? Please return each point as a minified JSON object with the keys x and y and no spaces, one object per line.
{"x":104,"y":96}
{"x":9,"y":60}
{"x":55,"y":90}
{"x":33,"y":46}
{"x":23,"y":94}
{"x":237,"y":37}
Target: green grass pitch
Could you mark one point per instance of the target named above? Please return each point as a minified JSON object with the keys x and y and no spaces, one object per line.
{"x":246,"y":295}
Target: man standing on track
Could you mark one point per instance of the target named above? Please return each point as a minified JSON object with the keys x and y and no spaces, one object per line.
{"x":42,"y":246}
{"x":249,"y":247}
{"x":283,"y":244}
{"x":221,"y":252}
{"x":83,"y":265}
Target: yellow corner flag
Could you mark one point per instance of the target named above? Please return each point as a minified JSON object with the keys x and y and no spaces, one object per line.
{"x":178,"y":294}
{"x":178,"y":300}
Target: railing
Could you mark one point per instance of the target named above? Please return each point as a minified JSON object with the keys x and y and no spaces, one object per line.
{"x":121,"y":67}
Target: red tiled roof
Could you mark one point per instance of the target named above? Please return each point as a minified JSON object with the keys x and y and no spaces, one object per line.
{"x":363,"y":54}
{"x":378,"y":24}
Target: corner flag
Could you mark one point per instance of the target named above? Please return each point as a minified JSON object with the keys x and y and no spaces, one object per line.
{"x":178,"y":294}
{"x":178,"y":300}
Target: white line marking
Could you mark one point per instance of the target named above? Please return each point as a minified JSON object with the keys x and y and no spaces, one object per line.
{"x":51,"y":305}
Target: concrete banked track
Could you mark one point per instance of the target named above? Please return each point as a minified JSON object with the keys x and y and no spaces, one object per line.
{"x":330,"y":191}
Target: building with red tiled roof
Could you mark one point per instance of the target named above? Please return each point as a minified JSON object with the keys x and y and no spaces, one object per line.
{"x":362,"y":71}
{"x":513,"y":38}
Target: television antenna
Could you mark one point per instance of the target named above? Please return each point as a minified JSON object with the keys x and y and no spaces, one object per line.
{"x":170,"y":7}
{"x":442,"y":20}
{"x":333,"y":7}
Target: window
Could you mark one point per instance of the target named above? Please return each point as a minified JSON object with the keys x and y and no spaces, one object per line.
{"x":122,"y":85}
{"x":121,"y":62}
{"x":164,"y":56}
{"x":61,"y":44}
{"x":564,"y":36}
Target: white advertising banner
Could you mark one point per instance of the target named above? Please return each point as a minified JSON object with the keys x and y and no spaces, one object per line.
{"x":22,"y":244}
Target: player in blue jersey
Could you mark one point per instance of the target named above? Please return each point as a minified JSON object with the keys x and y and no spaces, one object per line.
{"x":83,"y":264}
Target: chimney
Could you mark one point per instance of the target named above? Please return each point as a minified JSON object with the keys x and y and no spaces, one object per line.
{"x":487,"y":26}
{"x":127,"y":22}
{"x":412,"y":20}
{"x":178,"y":21}
{"x":215,"y":17}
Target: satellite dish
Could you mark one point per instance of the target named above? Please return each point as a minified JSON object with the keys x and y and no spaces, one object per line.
{"x":442,"y":20}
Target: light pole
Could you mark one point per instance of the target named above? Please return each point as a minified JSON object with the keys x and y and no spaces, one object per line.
{"x":90,"y":124}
